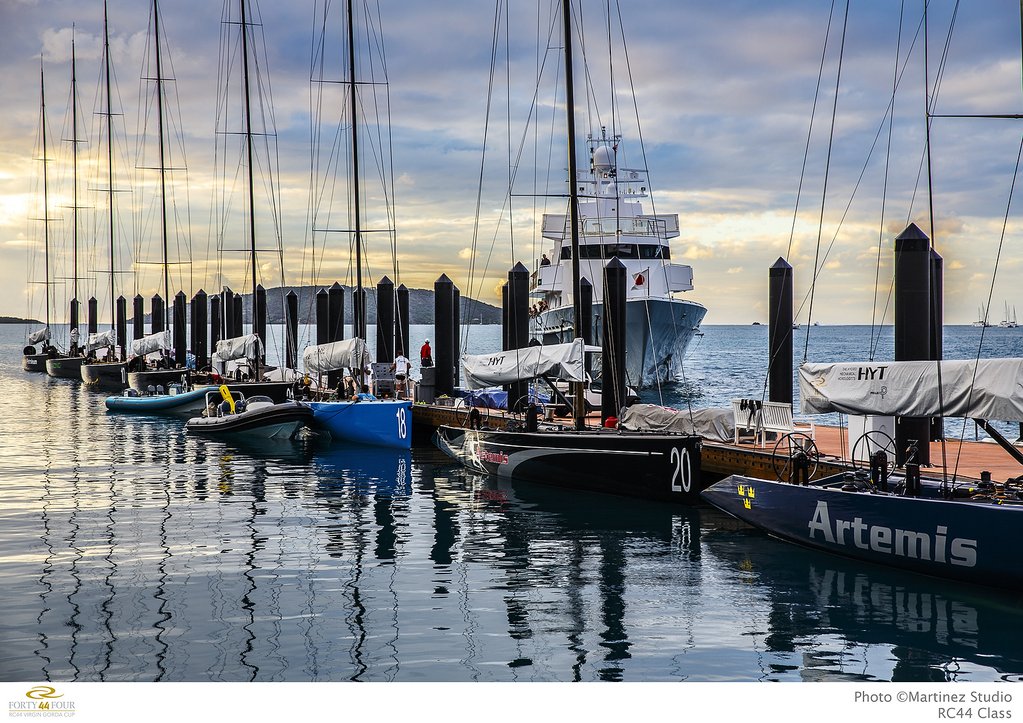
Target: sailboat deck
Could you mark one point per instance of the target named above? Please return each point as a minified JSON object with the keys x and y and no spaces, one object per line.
{"x":957,"y":458}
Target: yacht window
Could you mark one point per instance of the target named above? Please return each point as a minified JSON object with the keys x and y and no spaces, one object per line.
{"x":654,"y":251}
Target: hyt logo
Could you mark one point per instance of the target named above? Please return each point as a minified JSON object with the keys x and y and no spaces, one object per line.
{"x":870,"y":373}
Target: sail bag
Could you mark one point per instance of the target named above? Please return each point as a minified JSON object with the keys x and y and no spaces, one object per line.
{"x":990,"y":389}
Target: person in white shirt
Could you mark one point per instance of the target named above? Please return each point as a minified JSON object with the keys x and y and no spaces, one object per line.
{"x":400,"y":368}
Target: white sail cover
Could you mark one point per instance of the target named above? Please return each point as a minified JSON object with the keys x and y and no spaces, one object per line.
{"x":564,"y":361}
{"x":40,"y":335}
{"x":154,"y":342}
{"x":345,"y":354}
{"x":989,"y":389}
{"x":100,"y":340}
{"x":239,"y":347}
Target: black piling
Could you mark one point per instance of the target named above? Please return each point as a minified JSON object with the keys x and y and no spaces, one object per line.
{"x":138,"y":313}
{"x":291,"y":330}
{"x":779,"y":332}
{"x":586,"y":310}
{"x":227,"y":299}
{"x":238,"y":320}
{"x":612,"y":341}
{"x":180,"y":333}
{"x":73,"y":314}
{"x":518,"y":329}
{"x":359,"y":313}
{"x":913,"y":323}
{"x":586,"y":315}
{"x":156,"y":315}
{"x":93,"y":314}
{"x":199,"y":320}
{"x":322,"y":317}
{"x":443,"y":335}
{"x":401,"y":324}
{"x":215,"y":321}
{"x":385,"y":320}
{"x":336,"y":313}
{"x":121,"y":324}
{"x":336,"y":324}
{"x":259,"y":318}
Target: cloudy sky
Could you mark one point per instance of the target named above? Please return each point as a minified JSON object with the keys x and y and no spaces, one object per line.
{"x":725,"y":94}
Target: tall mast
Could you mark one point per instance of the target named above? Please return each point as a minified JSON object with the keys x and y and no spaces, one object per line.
{"x":163,"y":166}
{"x":248,"y":148}
{"x":46,"y":194}
{"x":74,"y":173}
{"x":110,"y":160}
{"x":573,"y":203}
{"x":359,"y":321}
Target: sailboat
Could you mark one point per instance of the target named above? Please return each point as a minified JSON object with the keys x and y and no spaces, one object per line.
{"x":69,"y":364}
{"x":981,"y":318}
{"x":141,"y":376}
{"x":240,"y":361}
{"x":656,"y":466}
{"x":1009,"y":322}
{"x":33,"y":360}
{"x":898,"y":518}
{"x":111,"y":373}
{"x":359,"y":418}
{"x":894,"y":512}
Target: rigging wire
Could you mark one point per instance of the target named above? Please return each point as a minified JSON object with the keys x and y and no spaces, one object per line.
{"x":884,"y":189}
{"x":827,"y":173}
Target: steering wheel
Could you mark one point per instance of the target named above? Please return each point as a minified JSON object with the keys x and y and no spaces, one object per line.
{"x":874,"y":440}
{"x":524,"y":402}
{"x":799,"y":445}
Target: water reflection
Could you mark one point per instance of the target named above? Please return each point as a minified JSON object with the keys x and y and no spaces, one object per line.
{"x":835,"y":612}
{"x":137,"y":552}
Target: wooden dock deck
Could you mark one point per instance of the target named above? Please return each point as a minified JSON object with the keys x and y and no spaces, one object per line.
{"x":959,"y":459}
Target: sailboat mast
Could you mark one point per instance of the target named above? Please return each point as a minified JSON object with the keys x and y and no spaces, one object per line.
{"x":573,"y":203}
{"x":74,"y":191}
{"x":359,"y":321}
{"x":163,"y":165}
{"x":110,"y":160}
{"x":248,"y":150}
{"x":46,"y":194}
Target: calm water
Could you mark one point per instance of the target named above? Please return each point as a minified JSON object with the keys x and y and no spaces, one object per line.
{"x":133,"y":552}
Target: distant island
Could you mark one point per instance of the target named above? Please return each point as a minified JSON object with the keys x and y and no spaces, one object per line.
{"x":18,"y":320}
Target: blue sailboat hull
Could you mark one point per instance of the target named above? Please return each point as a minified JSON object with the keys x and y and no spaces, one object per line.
{"x":383,"y":422}
{"x":958,"y":539}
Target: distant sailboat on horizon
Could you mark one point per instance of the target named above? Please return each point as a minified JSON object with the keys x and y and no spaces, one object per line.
{"x":1009,"y":322}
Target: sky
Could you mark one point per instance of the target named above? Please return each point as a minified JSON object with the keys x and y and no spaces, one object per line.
{"x":730,"y":105}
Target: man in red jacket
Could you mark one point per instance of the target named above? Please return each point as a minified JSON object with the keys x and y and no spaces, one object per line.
{"x":426,"y":355}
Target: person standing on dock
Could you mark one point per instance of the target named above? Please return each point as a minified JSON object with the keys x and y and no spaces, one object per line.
{"x":400,"y":368}
{"x":426,"y":355}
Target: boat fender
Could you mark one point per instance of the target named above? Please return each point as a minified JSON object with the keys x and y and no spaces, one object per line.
{"x":226,"y":394}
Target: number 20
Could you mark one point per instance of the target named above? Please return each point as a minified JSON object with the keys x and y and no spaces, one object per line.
{"x":681,"y":468}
